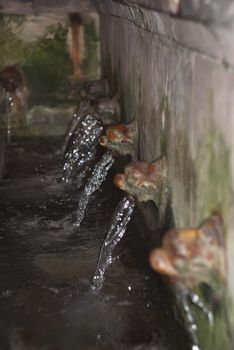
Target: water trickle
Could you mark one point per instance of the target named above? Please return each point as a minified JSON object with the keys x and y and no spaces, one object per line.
{"x":195,"y":299}
{"x":9,"y":108}
{"x":97,"y":177}
{"x":115,"y":233}
{"x":189,"y":318}
{"x":191,"y":325}
{"x":80,"y":112}
{"x":82,"y":150}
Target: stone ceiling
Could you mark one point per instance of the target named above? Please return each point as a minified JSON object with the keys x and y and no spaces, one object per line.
{"x":209,"y":11}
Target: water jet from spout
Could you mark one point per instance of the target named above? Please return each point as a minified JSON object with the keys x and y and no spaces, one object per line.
{"x":95,"y":181}
{"x":115,"y":233}
{"x":82,"y":150}
{"x":80,"y":112}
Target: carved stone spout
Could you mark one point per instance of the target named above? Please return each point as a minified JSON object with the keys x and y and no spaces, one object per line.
{"x":95,"y":89}
{"x":146,"y":181}
{"x":10,"y":78}
{"x":194,"y":255}
{"x":121,"y":138}
{"x":108,"y":110}
{"x":12,"y":83}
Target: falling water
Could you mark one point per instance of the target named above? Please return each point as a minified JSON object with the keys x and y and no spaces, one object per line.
{"x":75,"y":122}
{"x":185,"y":297}
{"x":83,"y":148}
{"x":191,"y":324}
{"x":195,"y":300}
{"x":9,"y":107}
{"x":97,"y":177}
{"x":115,"y":233}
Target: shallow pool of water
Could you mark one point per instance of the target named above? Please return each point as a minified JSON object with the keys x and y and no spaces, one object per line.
{"x":47,"y":266}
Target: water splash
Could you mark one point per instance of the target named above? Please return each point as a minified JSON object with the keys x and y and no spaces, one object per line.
{"x":97,"y":177}
{"x":83,"y":149}
{"x":75,"y":122}
{"x":115,"y":233}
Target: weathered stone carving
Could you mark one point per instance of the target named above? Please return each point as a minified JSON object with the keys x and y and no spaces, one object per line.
{"x":146,"y":181}
{"x":193,"y":256}
{"x":121,"y":138}
{"x":108,"y":109}
{"x":95,"y":89}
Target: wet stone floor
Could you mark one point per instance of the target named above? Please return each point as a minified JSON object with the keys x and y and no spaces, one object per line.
{"x":47,"y":266}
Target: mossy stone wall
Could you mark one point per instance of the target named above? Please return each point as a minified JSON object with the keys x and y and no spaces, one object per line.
{"x":181,"y":92}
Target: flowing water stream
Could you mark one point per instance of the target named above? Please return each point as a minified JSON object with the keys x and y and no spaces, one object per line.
{"x":82,"y":150}
{"x":95,"y":181}
{"x":9,"y":107}
{"x":116,"y":231}
{"x":75,"y":122}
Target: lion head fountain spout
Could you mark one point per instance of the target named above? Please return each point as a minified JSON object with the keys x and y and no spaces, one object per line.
{"x":11,"y":78}
{"x":95,"y":89}
{"x":12,"y":83}
{"x":121,"y":138}
{"x":191,"y":257}
{"x":146,"y":181}
{"x":107,"y":109}
{"x":194,"y":255}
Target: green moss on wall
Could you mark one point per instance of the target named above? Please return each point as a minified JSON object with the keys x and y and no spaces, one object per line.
{"x":91,"y":64}
{"x":214,"y":176}
{"x":214,"y":181}
{"x":211,"y":177}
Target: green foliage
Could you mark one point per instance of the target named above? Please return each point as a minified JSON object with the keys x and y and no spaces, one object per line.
{"x":45,"y":61}
{"x":48,"y":63}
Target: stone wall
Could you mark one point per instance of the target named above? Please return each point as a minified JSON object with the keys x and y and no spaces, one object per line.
{"x":215,"y":11}
{"x":177,"y":78}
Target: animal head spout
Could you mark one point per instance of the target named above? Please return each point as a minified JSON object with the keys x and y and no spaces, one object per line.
{"x":194,"y":255}
{"x":146,"y":181}
{"x":95,"y":89}
{"x":11,"y":78}
{"x":121,"y":138}
{"x":108,"y":110}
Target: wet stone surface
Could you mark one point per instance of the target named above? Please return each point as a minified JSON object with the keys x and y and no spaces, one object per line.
{"x":47,"y":266}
